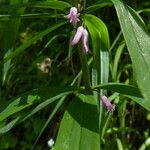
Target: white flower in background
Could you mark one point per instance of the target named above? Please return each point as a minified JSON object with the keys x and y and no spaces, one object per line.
{"x":50,"y":143}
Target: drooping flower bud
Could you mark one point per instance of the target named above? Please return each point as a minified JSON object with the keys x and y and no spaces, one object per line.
{"x":78,"y":35}
{"x":81,"y":33}
{"x":107,"y":104}
{"x":85,"y":37}
{"x":73,"y":16}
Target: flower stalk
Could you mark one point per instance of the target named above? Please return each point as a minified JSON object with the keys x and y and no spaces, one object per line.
{"x":85,"y":68}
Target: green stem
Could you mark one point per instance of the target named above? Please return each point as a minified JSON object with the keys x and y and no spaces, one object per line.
{"x":85,"y":69}
{"x":84,"y":4}
{"x":122,"y":121}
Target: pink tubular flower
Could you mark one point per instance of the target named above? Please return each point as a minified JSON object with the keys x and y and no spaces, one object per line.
{"x":81,"y":33}
{"x":78,"y":35}
{"x":73,"y":16}
{"x":85,"y":37}
{"x":107,"y":104}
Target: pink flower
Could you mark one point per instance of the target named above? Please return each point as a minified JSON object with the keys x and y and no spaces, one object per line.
{"x":107,"y":104}
{"x":78,"y":35}
{"x":73,"y":16}
{"x":85,"y":37}
{"x":81,"y":33}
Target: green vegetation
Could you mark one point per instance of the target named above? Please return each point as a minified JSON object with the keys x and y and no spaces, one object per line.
{"x":86,"y":89}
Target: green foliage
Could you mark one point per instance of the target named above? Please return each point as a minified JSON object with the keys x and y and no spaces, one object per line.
{"x":28,"y":99}
{"x":60,"y":5}
{"x":137,"y":39}
{"x":50,"y":89}
{"x":31,"y":41}
{"x":100,"y":68}
{"x":129,"y":91}
{"x":79,"y":127}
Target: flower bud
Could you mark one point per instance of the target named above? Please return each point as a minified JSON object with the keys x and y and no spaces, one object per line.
{"x":107,"y":104}
{"x":78,"y":35}
{"x":85,"y":37}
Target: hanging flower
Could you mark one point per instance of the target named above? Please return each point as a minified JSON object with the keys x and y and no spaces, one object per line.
{"x":78,"y":35}
{"x":73,"y":16}
{"x":81,"y":33}
{"x":85,"y":37}
{"x":107,"y":104}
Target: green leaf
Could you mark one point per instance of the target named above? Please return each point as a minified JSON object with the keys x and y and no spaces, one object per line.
{"x":51,"y":4}
{"x":100,"y":45}
{"x":6,"y":17}
{"x":50,"y":118}
{"x":96,"y":25}
{"x":119,"y":144}
{"x":144,"y":10}
{"x":138,"y":42}
{"x":9,"y":126}
{"x":19,"y":103}
{"x":128,"y":91}
{"x":146,"y":144}
{"x":60,"y":93}
{"x":118,"y":53}
{"x":9,"y":30}
{"x":98,"y":5}
{"x":46,"y":95}
{"x":31,"y":41}
{"x":58,"y":5}
{"x":79,"y":126}
{"x":120,"y":88}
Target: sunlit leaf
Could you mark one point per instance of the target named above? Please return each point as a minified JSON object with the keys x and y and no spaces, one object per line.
{"x":138,"y":42}
{"x":100,"y":45}
{"x":46,"y":95}
{"x":79,"y":126}
{"x":9,"y":126}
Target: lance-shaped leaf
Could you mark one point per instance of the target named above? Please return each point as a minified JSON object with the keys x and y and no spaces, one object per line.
{"x":100,"y":44}
{"x":60,"y":5}
{"x":46,"y":95}
{"x":138,"y":42}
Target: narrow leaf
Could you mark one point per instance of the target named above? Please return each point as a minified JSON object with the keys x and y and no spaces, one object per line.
{"x":128,"y":91}
{"x":51,"y":4}
{"x":45,"y":94}
{"x":9,"y":126}
{"x":100,"y":44}
{"x":98,"y":5}
{"x":138,"y":42}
